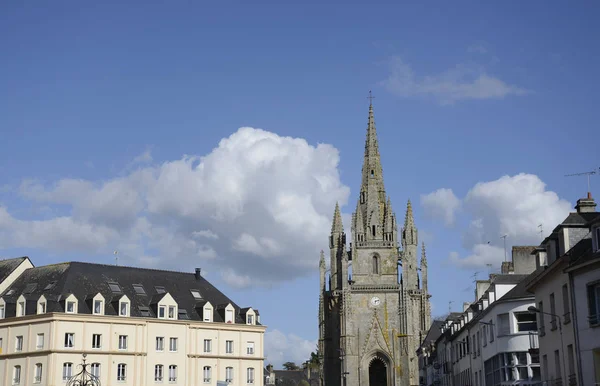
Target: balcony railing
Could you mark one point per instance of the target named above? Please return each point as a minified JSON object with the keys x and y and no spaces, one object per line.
{"x":572,"y":380}
{"x":534,"y":342}
{"x":594,"y":319}
{"x":567,"y":318}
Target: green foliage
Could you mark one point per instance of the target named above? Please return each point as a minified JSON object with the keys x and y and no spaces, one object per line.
{"x":290,"y":366}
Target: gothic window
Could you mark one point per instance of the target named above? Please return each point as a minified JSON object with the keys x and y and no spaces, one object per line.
{"x":376,"y":264}
{"x":372,"y":173}
{"x":373,"y":229}
{"x":362,"y":197}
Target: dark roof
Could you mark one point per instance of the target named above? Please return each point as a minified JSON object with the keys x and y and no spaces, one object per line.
{"x":294,"y":377}
{"x":508,"y":279}
{"x":434,"y":332}
{"x":582,"y":252}
{"x":85,"y":279}
{"x":519,"y":291}
{"x":582,"y":219}
{"x":9,"y":265}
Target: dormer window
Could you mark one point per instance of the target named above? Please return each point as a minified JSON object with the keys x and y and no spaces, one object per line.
{"x":70,"y":308}
{"x":2,"y":312}
{"x":172,"y":312}
{"x":597,"y":238}
{"x":250,"y":319}
{"x":139,"y":289}
{"x":124,"y":306}
{"x":228,"y":316}
{"x":196,"y":294}
{"x":42,"y":308}
{"x":207,"y":313}
{"x":98,"y":306}
{"x":21,"y":306}
{"x":162,"y":310}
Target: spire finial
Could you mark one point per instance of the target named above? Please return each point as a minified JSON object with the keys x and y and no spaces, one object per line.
{"x":322,"y":259}
{"x":337,"y":226}
{"x":370,"y":98}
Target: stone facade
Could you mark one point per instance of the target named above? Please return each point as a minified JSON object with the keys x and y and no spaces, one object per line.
{"x":371,"y":323}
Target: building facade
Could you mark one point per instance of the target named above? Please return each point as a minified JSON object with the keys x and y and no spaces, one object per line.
{"x":136,"y":326}
{"x":371,"y":323}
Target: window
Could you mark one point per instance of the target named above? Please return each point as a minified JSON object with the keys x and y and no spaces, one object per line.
{"x":37,"y":374}
{"x":121,"y":372}
{"x":96,"y":341}
{"x":229,"y":346}
{"x":526,"y":321}
{"x":484,"y":335}
{"x":207,"y":314}
{"x":171,"y":312}
{"x":42,"y":308}
{"x":172,"y":373}
{"x":491,"y":327}
{"x":10,"y":292}
{"x":161,"y":311}
{"x":541,"y":318}
{"x":95,"y":370}
{"x":19,"y":343}
{"x":21,"y":309}
{"x":196,"y":294}
{"x":50,"y":285}
{"x":557,"y":364}
{"x":122,"y":342}
{"x":207,"y":345}
{"x":144,"y":311}
{"x":115,"y":287}
{"x":250,"y":319}
{"x":598,"y":239}
{"x":207,"y":375}
{"x":250,"y":348}
{"x":139,"y":289}
{"x":16,"y":375}
{"x":511,"y":368}
{"x":158,"y":373}
{"x":71,"y":307}
{"x":173,"y":344}
{"x":67,"y":371}
{"x":160,"y":289}
{"x":229,"y":374}
{"x":552,"y":311}
{"x":571,"y":360}
{"x":69,"y":339}
{"x":182,"y":314}
{"x":0,"y":345}
{"x":503,"y":324}
{"x":545,"y":366}
{"x":566,"y":307}
{"x":160,"y":343}
{"x":29,"y":288}
{"x":376,"y":265}
{"x":124,"y":308}
{"x":2,"y":312}
{"x":250,"y":374}
{"x":39,"y":341}
{"x":593,"y":295}
{"x":229,"y":316}
{"x":98,"y":307}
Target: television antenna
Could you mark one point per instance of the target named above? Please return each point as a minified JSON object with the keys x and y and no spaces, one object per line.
{"x":541,"y":231}
{"x":588,"y":174}
{"x":116,"y":257}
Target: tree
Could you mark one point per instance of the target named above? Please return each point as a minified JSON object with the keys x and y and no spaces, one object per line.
{"x":290,"y":366}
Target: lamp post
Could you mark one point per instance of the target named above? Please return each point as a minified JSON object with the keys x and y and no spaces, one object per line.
{"x":533,"y":310}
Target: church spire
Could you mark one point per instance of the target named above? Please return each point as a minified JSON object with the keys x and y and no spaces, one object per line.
{"x":337,"y":226}
{"x":372,"y":172}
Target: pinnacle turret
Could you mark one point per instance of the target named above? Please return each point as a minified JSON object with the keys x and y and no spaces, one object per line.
{"x":337,"y":226}
{"x":409,"y":221}
{"x":322,"y":260}
{"x":423,"y":256}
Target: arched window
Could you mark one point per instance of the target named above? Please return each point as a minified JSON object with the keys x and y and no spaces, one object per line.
{"x":376,"y":264}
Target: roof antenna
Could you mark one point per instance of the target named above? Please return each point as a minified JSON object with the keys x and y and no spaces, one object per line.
{"x":541,"y":231}
{"x":116,"y":257}
{"x":450,"y":306}
{"x":588,"y":174}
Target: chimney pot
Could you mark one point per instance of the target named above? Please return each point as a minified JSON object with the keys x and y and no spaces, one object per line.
{"x":198,"y":273}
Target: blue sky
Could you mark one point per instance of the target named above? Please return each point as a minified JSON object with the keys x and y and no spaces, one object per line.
{"x":120,"y":129}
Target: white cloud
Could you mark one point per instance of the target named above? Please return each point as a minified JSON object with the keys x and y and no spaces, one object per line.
{"x":441,"y":204}
{"x":144,"y":158}
{"x":280,"y":348}
{"x":257,"y":208}
{"x":513,"y":206}
{"x":455,"y":84}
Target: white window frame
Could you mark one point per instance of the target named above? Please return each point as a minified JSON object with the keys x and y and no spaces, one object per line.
{"x":207,"y":345}
{"x":41,"y":308}
{"x":173,"y":344}
{"x":21,"y":308}
{"x":207,"y":373}
{"x":71,"y":307}
{"x":121,"y":372}
{"x":96,"y":341}
{"x":39,"y":342}
{"x":250,"y":348}
{"x":229,"y":317}
{"x":158,"y":373}
{"x":162,"y":312}
{"x":123,"y":305}
{"x":37,"y":373}
{"x":19,"y":343}
{"x":69,"y":339}
{"x":122,"y":342}
{"x":250,"y":319}
{"x":2,"y":311}
{"x":207,"y":314}
{"x":16,"y":375}
{"x":160,"y":343}
{"x":229,"y":374}
{"x":172,"y":313}
{"x":597,"y":235}
{"x":250,"y":375}
{"x":172,"y":373}
{"x":95,"y":369}
{"x":67,"y":371}
{"x":98,"y":310}
{"x":228,"y":347}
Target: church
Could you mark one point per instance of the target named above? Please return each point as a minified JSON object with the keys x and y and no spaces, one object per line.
{"x":373,"y":304}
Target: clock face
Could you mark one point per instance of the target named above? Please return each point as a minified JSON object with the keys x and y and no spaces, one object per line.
{"x":375,"y":301}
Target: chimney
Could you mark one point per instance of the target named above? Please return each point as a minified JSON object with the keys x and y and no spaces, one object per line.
{"x":198,"y":273}
{"x":586,"y":205}
{"x":466,"y":305}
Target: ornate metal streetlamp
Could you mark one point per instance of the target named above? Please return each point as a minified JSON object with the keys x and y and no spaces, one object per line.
{"x":84,"y":377}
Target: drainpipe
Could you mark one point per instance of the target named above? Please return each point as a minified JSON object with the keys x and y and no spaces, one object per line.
{"x":575,"y":329}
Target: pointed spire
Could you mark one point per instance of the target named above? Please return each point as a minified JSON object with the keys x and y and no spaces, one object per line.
{"x":409,"y":221}
{"x":322,"y":260}
{"x":372,"y":172}
{"x":423,"y":256}
{"x":359,"y":223}
{"x":337,"y":226}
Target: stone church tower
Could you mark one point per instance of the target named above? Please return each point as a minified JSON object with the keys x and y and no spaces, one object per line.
{"x":371,"y":321}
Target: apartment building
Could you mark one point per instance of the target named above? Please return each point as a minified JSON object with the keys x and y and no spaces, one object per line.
{"x":136,"y":327}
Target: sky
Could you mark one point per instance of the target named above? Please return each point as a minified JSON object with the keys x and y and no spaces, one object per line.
{"x":221,"y":135}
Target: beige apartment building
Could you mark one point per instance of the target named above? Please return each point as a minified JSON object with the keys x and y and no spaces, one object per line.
{"x":136,"y":327}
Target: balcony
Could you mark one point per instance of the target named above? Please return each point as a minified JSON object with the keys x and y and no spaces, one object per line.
{"x":594,"y":320}
{"x":572,"y":380}
{"x":534,"y":342}
{"x":567,"y":318}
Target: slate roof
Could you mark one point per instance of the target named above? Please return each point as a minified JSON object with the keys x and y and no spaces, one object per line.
{"x":434,"y":332}
{"x":294,"y":377}
{"x":582,"y":252}
{"x":508,"y":279}
{"x":84,"y":280}
{"x":9,"y":265}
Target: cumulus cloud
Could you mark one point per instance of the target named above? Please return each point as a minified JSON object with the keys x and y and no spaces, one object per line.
{"x":256,"y":208}
{"x":441,"y":204}
{"x":280,"y":348}
{"x":459,"y":83}
{"x":513,"y":206}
